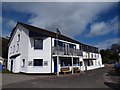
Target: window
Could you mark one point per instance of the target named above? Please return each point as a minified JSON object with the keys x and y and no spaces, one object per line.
{"x":45,"y":63}
{"x":90,"y":62}
{"x":18,"y":38}
{"x":91,"y":55}
{"x":29,"y":63}
{"x":13,"y":48}
{"x":37,"y":62}
{"x":38,"y":43}
{"x":17,"y":47}
{"x":80,"y":47}
{"x":66,"y":62}
{"x":72,"y":46}
{"x":10,"y":50}
{"x":23,"y":62}
{"x":59,"y":43}
{"x":75,"y":62}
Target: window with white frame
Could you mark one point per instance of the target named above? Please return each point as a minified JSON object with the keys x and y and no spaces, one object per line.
{"x":17,"y":48}
{"x":45,"y":63}
{"x":37,"y":62}
{"x":10,"y":50}
{"x":23,"y":62}
{"x":13,"y":48}
{"x":91,"y":55}
{"x":29,"y":63}
{"x":18,"y":38}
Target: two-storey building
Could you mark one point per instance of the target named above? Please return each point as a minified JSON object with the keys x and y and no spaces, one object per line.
{"x":35,"y":50}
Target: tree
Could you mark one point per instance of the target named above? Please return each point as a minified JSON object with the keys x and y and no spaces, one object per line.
{"x":110,"y":54}
{"x":5,"y":47}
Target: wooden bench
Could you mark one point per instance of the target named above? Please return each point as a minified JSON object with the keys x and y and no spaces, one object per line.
{"x":65,"y":70}
{"x":76,"y":70}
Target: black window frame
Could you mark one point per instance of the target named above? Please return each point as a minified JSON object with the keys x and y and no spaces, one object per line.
{"x":35,"y":43}
{"x":35,"y":63}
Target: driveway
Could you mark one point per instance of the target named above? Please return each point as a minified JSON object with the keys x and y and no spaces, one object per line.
{"x":90,"y":79}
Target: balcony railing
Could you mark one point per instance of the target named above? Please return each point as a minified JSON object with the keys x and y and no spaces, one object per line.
{"x":66,"y":51}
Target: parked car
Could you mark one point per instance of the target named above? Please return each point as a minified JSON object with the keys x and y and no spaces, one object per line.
{"x":117,"y":68}
{"x":112,"y":62}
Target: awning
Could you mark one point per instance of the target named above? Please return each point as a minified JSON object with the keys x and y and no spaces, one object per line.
{"x":14,"y":56}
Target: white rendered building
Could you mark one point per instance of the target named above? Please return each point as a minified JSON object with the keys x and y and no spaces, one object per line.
{"x":35,"y":50}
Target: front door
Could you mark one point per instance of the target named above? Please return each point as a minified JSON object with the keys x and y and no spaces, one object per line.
{"x":55,"y":65}
{"x":11,"y":66}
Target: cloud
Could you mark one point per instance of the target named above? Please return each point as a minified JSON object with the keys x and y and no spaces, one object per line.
{"x":9,"y":25}
{"x":103,"y":28}
{"x":107,"y":43}
{"x":70,"y":18}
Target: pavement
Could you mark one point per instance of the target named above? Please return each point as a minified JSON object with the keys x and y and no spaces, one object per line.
{"x":112,"y":79}
{"x":98,"y":78}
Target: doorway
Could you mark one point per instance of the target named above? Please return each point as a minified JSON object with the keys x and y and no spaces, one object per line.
{"x":11,"y":69}
{"x":55,"y":65}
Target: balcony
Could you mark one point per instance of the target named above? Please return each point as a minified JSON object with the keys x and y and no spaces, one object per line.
{"x":66,"y":51}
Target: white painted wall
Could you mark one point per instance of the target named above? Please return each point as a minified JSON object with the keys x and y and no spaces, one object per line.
{"x":44,"y":54}
{"x":96,"y":63}
{"x":23,"y":48}
{"x":12,"y":50}
{"x":16,"y":65}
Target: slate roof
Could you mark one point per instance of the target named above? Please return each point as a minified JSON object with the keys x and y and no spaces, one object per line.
{"x":48,"y":33}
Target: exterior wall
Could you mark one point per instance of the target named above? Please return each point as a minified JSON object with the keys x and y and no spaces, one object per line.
{"x":82,"y":68}
{"x":22,"y":50}
{"x":97,"y":63}
{"x":16,"y":65}
{"x":44,"y":54}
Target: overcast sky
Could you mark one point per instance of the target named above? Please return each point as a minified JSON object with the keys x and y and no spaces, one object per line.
{"x":91,"y":23}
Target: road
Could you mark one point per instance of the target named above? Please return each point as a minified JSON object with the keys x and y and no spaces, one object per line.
{"x":90,"y":79}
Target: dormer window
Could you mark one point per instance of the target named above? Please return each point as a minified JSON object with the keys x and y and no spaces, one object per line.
{"x":18,"y":38}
